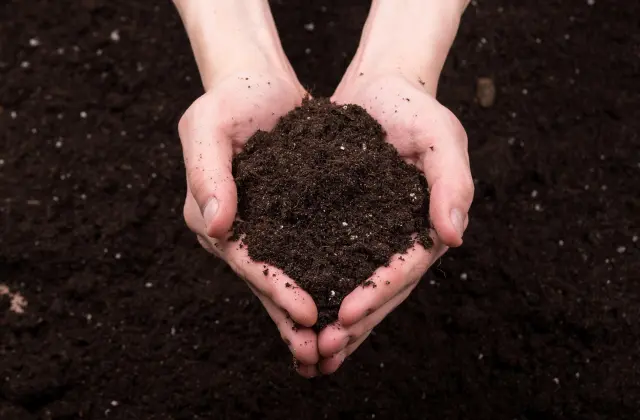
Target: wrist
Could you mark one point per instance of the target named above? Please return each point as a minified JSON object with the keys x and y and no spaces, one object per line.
{"x":231,"y":36}
{"x":410,"y":38}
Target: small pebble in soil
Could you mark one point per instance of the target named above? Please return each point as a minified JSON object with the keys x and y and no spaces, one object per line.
{"x":556,"y":381}
{"x":463,"y":276}
{"x":634,"y":238}
{"x":307,"y":51}
{"x":537,"y":207}
{"x":561,"y":242}
{"x":114,"y":403}
{"x":34,"y":42}
{"x":148,"y":285}
{"x":621,"y":249}
{"x":1,"y":162}
{"x":83,"y":114}
{"x":485,"y":91}
{"x":115,"y":35}
{"x":591,"y":2}
{"x":118,"y":256}
{"x":534,"y":194}
{"x":310,"y":26}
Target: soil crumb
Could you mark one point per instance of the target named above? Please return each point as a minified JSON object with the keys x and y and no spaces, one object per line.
{"x":324,"y":198}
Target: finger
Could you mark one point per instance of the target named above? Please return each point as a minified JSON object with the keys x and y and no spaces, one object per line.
{"x":307,"y":371}
{"x":335,"y":338}
{"x":332,"y":339}
{"x":207,"y":156}
{"x":354,"y":346}
{"x":370,"y":322}
{"x":389,"y":281}
{"x":331,"y":364}
{"x":446,"y":166}
{"x":302,"y":342}
{"x":273,"y":283}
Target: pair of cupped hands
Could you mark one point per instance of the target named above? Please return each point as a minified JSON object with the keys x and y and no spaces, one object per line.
{"x":425,"y":134}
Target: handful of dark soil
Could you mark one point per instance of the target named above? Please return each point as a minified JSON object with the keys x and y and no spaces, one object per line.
{"x":324,"y":198}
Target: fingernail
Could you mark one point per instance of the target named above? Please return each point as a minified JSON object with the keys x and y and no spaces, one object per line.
{"x":458,"y":221}
{"x":210,"y":211}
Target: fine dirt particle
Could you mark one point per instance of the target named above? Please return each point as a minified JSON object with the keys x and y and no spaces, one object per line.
{"x":325,"y":198}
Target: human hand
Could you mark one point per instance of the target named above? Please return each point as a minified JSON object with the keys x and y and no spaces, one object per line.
{"x":400,"y":96}
{"x":243,"y":94}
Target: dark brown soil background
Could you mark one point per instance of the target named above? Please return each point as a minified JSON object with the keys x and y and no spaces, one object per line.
{"x":326,"y":199}
{"x":536,"y":317}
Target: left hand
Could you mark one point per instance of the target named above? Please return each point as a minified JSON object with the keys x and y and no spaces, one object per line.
{"x":429,"y":136}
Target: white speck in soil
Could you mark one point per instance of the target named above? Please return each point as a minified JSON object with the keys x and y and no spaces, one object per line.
{"x":34,"y":42}
{"x":89,"y":317}
{"x":513,"y":115}
{"x":226,"y":300}
{"x":14,"y":115}
{"x":382,"y":365}
{"x":129,"y":186}
{"x":148,"y":285}
{"x":464,"y":276}
{"x":98,"y":52}
{"x":511,"y":141}
{"x":332,"y":293}
{"x":105,"y":250}
{"x":310,"y":26}
{"x":602,"y":157}
{"x":118,"y":256}
{"x":556,"y":381}
{"x":604,"y":188}
{"x":1,"y":162}
{"x":577,"y":375}
{"x":634,"y":238}
{"x":114,"y":403}
{"x":307,"y":51}
{"x":534,"y":194}
{"x":25,"y":64}
{"x":153,"y":175}
{"x":173,"y":330}
{"x":621,"y":249}
{"x":483,"y":40}
{"x":586,"y":187}
{"x":55,"y":198}
{"x":561,"y":242}
{"x":432,"y":282}
{"x":83,"y":114}
{"x":537,"y":207}
{"x":591,"y":2}
{"x":115,"y":36}
{"x":538,"y":41}
{"x":341,"y":147}
{"x":567,"y":36}
{"x":83,"y":196}
{"x":525,"y":91}
{"x":480,"y":356}
{"x":345,"y":224}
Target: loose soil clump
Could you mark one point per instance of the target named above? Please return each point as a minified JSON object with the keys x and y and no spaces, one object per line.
{"x":326,"y":199}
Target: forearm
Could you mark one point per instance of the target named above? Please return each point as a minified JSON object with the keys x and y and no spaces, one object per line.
{"x":229,"y":36}
{"x":411,"y":37}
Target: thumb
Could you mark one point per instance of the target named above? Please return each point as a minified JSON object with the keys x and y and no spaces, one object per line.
{"x":449,"y":177}
{"x":207,"y":155}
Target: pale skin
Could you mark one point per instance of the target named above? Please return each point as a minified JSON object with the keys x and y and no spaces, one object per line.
{"x":249,"y":84}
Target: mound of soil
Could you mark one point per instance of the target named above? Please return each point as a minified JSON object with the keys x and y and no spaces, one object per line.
{"x":324,"y":198}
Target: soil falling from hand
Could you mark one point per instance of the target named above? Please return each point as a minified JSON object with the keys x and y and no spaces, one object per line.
{"x":324,"y":198}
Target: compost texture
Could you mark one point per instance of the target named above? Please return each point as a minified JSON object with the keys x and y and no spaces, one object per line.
{"x":535,"y":317}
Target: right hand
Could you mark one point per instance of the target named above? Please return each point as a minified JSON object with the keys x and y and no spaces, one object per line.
{"x":214,"y":128}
